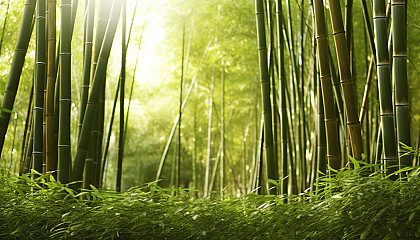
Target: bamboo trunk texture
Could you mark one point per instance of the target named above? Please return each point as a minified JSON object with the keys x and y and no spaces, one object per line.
{"x":282,"y":99}
{"x":122,"y":88}
{"x":207,"y":173}
{"x":16,"y":66}
{"x":51,"y":143}
{"x":346,"y":79}
{"x":274,"y":93}
{"x":27,"y":132}
{"x":40,"y":75}
{"x":64,"y":157}
{"x":87,"y":61}
{"x":330,"y":115}
{"x":265,"y":91}
{"x":96,"y":138}
{"x":399,"y":76}
{"x":386,"y":109}
{"x":97,"y":84}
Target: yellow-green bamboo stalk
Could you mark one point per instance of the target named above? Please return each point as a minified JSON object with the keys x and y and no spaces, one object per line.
{"x":346,"y":79}
{"x":265,"y":91}
{"x":282,"y":98}
{"x":331,"y":124}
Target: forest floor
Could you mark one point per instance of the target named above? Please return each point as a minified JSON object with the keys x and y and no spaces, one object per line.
{"x":353,"y":204}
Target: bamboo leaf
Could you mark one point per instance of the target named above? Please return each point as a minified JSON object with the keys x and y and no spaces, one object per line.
{"x":274,"y":182}
{"x":366,"y":231}
{"x":411,"y":216}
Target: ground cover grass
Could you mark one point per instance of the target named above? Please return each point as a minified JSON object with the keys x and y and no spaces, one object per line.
{"x":354,"y":204}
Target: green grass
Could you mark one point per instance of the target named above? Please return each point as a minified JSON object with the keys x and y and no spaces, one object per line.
{"x":354,"y":204}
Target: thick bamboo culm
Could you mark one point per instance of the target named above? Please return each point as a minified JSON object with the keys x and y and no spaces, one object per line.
{"x":64,"y":159}
{"x":399,"y":76}
{"x":51,"y":159}
{"x":16,"y":69}
{"x":265,"y":91}
{"x":331,"y":124}
{"x":386,"y":110}
{"x":346,"y":79}
{"x":40,"y":76}
{"x":98,"y":81}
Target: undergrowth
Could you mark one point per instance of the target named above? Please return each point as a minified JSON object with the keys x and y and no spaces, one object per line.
{"x":352,"y":204}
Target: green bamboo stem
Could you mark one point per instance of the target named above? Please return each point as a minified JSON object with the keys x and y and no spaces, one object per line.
{"x":40,"y":75}
{"x":13,"y":146}
{"x":102,"y":174}
{"x":135,"y":66}
{"x":331,"y":124}
{"x":16,"y":67}
{"x":27,"y":131}
{"x":95,"y":147}
{"x":64,"y":158}
{"x":207,"y":171}
{"x":122,"y":91}
{"x":364,"y":106}
{"x":265,"y":90}
{"x":257,"y":169}
{"x":181,"y":85}
{"x":346,"y":79}
{"x":51,"y":159}
{"x":87,"y":61}
{"x":282,"y":97}
{"x":384,"y":83}
{"x":369,"y":31}
{"x":194,"y":160}
{"x":301,"y":90}
{"x":98,"y":81}
{"x":222,"y":133}
{"x":171,"y":135}
{"x":4,"y":25}
{"x":271,"y":66}
{"x":399,"y":76}
{"x":101,"y":167}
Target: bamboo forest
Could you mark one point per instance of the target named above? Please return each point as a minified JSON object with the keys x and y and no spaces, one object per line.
{"x":209,"y":119}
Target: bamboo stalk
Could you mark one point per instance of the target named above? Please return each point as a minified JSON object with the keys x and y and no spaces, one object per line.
{"x":40,"y":75}
{"x":171,"y":135}
{"x":265,"y":91}
{"x":64,"y":159}
{"x":282,"y":98}
{"x":87,"y":61}
{"x":346,"y":79}
{"x":384,"y":83}
{"x":207,"y":172}
{"x":331,"y":124}
{"x":399,"y":76}
{"x":98,"y":81}
{"x":27,"y":132}
{"x":4,"y":25}
{"x":122,"y":92}
{"x":51,"y":159}
{"x":16,"y":67}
